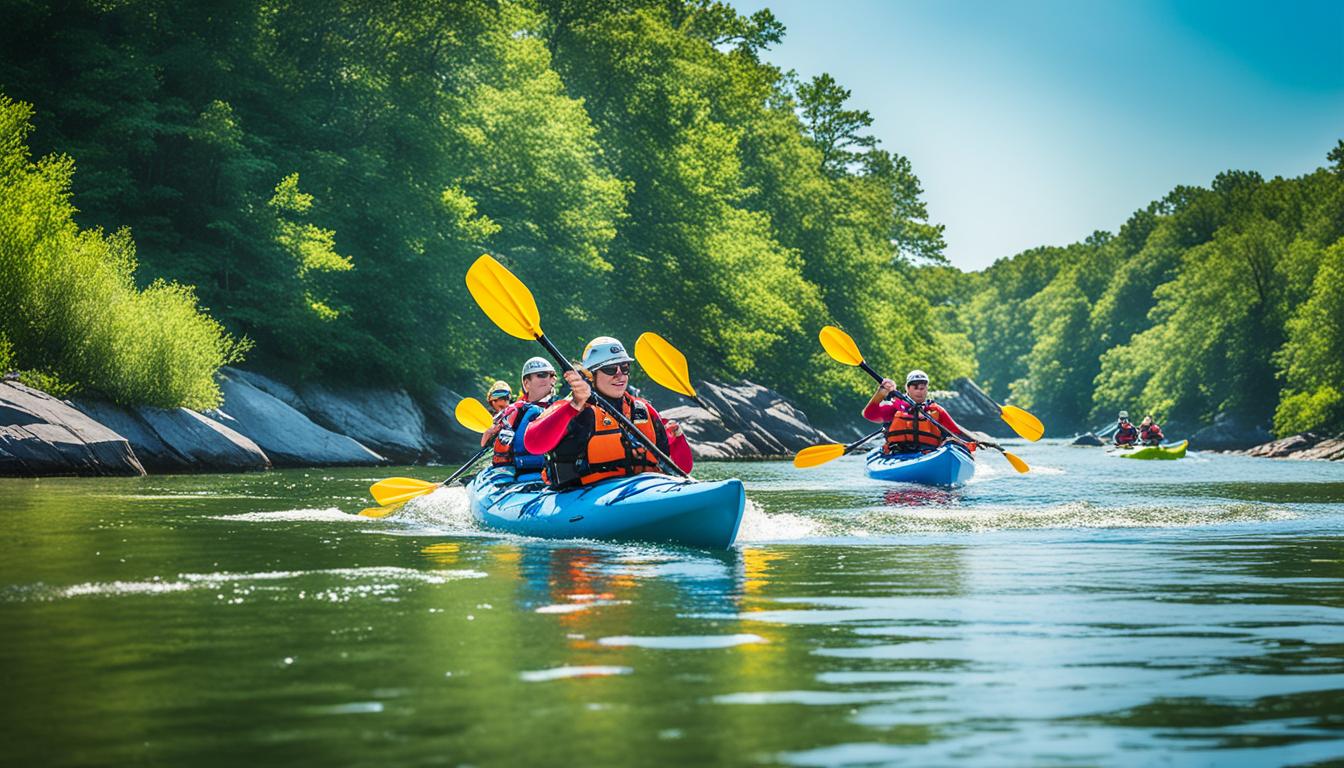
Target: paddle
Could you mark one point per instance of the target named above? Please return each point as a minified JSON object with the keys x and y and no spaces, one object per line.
{"x":395,"y":491}
{"x":842,"y":349}
{"x":666,"y":365}
{"x":509,"y":304}
{"x":816,"y":455}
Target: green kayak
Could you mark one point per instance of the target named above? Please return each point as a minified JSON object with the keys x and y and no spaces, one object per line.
{"x":1175,"y":451}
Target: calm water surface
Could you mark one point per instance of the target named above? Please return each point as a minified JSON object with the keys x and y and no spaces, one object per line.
{"x":1097,"y":611}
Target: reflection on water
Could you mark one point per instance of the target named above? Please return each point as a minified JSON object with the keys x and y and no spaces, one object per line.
{"x":1092,"y":612}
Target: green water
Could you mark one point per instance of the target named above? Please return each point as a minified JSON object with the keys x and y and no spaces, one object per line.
{"x":1093,"y":612}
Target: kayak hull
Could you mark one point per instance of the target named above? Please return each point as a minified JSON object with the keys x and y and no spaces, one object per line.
{"x":947,"y":467}
{"x":649,"y":507}
{"x":1167,"y":452}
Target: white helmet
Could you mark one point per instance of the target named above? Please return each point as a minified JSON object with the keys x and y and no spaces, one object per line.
{"x":604,"y":350}
{"x":1124,"y":414}
{"x":536,"y":365}
{"x":916,"y":375}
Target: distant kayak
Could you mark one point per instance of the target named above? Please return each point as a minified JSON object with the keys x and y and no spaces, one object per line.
{"x":949,"y":466}
{"x":1174,"y":451}
{"x":649,"y":507}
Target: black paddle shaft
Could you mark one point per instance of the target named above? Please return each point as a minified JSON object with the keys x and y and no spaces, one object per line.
{"x":470,"y":463}
{"x":628,"y":427}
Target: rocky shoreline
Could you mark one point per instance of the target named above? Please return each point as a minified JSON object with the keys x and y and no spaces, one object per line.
{"x":266,"y":423}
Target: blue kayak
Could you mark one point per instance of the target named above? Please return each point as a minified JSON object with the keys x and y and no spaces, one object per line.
{"x":649,"y":507}
{"x":949,"y":466}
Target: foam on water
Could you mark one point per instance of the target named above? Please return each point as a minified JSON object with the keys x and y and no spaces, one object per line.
{"x":328,"y":515}
{"x":369,"y":581}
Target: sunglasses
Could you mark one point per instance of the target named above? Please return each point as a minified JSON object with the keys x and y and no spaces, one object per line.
{"x":543,"y":375}
{"x":918,"y":384}
{"x":615,"y":368}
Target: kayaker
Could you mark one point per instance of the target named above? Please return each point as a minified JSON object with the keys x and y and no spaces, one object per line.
{"x":1150,"y":433}
{"x":498,"y":398}
{"x":538,"y":388}
{"x":909,"y":430}
{"x":1125,"y":433}
{"x":583,"y":443}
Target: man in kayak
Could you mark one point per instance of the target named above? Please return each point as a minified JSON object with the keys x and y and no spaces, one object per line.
{"x":538,"y":389}
{"x":909,"y":429}
{"x":584,"y":443}
{"x":1150,"y":433}
{"x":1126,"y":434}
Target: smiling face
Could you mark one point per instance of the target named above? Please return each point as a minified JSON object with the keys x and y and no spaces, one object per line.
{"x":612,"y":380}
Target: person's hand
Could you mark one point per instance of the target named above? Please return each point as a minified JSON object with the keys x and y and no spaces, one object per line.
{"x":673,"y":429}
{"x":578,"y":389}
{"x":887,"y":386}
{"x":493,"y":430}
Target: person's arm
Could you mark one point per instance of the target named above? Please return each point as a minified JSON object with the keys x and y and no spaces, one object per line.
{"x":878,"y":409}
{"x":678,"y":447}
{"x":952,"y":426}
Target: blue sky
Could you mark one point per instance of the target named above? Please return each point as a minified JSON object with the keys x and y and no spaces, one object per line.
{"x":1038,"y":122}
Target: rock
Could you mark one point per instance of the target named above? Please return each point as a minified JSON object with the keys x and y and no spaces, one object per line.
{"x":287,"y":436}
{"x":178,"y":439}
{"x":40,"y":435}
{"x":450,"y":440}
{"x":972,"y":408}
{"x":1307,"y":445}
{"x":756,"y":422}
{"x":1228,"y":433}
{"x":387,"y":420}
{"x":1088,"y":439}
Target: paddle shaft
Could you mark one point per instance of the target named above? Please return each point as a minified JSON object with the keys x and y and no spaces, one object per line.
{"x":470,"y":463}
{"x":629,"y":427}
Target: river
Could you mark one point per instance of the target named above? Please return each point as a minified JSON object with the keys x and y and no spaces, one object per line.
{"x":1096,"y":611}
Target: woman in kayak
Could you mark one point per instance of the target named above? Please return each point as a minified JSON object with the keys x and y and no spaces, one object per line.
{"x":1150,"y":433}
{"x":584,"y":443}
{"x":909,"y":429}
{"x":538,"y":380}
{"x":1125,"y":433}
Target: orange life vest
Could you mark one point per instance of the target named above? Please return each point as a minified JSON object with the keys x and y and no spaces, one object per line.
{"x":595,"y":448}
{"x":509,"y":419}
{"x":912,"y":431}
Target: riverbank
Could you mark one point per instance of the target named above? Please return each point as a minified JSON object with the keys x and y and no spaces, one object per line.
{"x":265,"y":423}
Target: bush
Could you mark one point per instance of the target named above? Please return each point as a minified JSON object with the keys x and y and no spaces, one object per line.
{"x":72,"y":311}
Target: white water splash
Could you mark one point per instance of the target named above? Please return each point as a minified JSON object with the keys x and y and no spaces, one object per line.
{"x":328,"y":515}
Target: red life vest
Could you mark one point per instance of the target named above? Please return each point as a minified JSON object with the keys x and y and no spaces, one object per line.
{"x":1150,"y":433}
{"x":910,"y":430}
{"x":508,"y":419}
{"x":595,"y":448}
{"x":1126,"y":435}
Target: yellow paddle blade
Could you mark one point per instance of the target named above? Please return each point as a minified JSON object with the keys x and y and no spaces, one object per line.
{"x":395,"y":489}
{"x":1023,"y":423}
{"x":379,"y":511}
{"x":664,"y":363}
{"x":472,"y":415}
{"x":1018,"y":464}
{"x":840,"y":346}
{"x":504,"y":298}
{"x":816,"y":455}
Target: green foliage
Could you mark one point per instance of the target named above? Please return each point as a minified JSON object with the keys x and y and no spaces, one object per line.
{"x":74,"y":319}
{"x":1213,"y":300}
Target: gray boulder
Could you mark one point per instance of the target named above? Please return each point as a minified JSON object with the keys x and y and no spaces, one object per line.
{"x":450,"y":440}
{"x":748,"y":421}
{"x":1228,"y":433}
{"x":178,"y":439}
{"x":1088,"y":439}
{"x":287,"y":436}
{"x":40,"y":435}
{"x":972,"y":408}
{"x":387,"y":420}
{"x":1307,"y":445}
